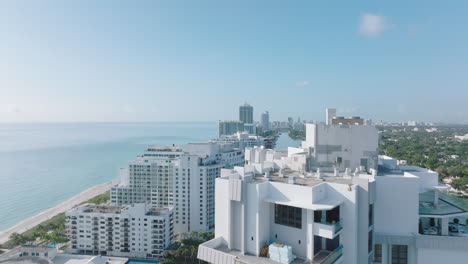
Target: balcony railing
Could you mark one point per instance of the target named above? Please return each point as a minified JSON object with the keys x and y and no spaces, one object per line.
{"x":336,"y":225}
{"x":327,"y":229}
{"x":330,"y":258}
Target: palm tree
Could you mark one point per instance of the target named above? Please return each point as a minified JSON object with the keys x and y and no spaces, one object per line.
{"x":194,"y":252}
{"x":194,"y":234}
{"x":41,"y":227}
{"x":184,"y":235}
{"x":17,"y":238}
{"x":204,"y":236}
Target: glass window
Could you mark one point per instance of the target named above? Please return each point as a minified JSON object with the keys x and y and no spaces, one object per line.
{"x":399,"y":254}
{"x":288,"y":216}
{"x":378,"y":253}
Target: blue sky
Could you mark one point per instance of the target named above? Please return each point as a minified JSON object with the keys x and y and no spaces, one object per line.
{"x":199,"y":60}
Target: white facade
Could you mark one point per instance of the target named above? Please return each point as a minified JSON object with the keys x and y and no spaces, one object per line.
{"x":342,"y":146}
{"x":415,"y":218}
{"x":387,"y":212}
{"x":179,"y":177}
{"x":331,"y":216}
{"x":138,"y":231}
{"x":330,"y":113}
{"x":240,"y":140}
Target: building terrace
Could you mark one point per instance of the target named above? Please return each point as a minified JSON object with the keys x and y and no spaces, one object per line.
{"x":304,"y":179}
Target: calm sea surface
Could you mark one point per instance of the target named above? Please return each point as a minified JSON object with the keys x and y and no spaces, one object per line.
{"x":42,"y":165}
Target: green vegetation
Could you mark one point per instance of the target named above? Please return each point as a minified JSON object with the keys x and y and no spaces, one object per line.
{"x":49,"y":231}
{"x":101,"y":198}
{"x":438,"y":150}
{"x":188,"y":249}
{"x":64,"y":247}
{"x":297,"y":134}
{"x":269,"y":133}
{"x":52,"y":230}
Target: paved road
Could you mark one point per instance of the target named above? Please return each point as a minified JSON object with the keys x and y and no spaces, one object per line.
{"x":60,"y":208}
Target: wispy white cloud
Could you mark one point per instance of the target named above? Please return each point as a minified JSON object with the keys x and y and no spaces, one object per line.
{"x":372,"y":25}
{"x":10,"y":109}
{"x":302,"y":83}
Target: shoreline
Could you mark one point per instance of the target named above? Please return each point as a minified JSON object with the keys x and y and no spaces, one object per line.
{"x":64,"y":206}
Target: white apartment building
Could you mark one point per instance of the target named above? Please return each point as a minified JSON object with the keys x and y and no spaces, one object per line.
{"x":416,"y":220}
{"x":385,"y":212}
{"x":137,"y":231}
{"x":182,"y":178}
{"x":240,"y":140}
{"x":341,"y":146}
{"x":324,"y":218}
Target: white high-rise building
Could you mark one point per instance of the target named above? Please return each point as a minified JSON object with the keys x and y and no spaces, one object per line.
{"x":265,"y":121}
{"x":330,"y":113}
{"x":341,"y":146}
{"x":387,"y":212}
{"x":137,"y":231}
{"x":179,"y":177}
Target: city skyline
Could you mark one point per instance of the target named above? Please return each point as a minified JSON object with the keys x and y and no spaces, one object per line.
{"x":93,"y":61}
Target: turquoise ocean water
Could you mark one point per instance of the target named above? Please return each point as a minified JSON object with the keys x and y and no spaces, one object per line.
{"x":42,"y":165}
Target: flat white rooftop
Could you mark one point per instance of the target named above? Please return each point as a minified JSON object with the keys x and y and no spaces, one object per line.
{"x":304,"y":180}
{"x":83,"y":259}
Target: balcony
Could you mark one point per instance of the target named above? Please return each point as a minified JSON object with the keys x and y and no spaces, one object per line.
{"x":327,"y":229}
{"x":446,"y":226}
{"x":328,"y":257}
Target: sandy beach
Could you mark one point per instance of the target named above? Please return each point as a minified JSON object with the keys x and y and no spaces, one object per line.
{"x":60,"y":208}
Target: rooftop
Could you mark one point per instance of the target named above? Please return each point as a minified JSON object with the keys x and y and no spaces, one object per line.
{"x":301,"y":179}
{"x":108,"y":209}
{"x":26,"y":260}
{"x":172,"y":148}
{"x":85,"y":259}
{"x":447,"y":204}
{"x":157,"y":211}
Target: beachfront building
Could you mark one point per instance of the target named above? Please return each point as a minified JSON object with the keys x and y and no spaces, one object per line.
{"x":304,"y":205}
{"x":241,"y":140}
{"x":29,"y":254}
{"x":183,"y":178}
{"x":137,"y":231}
{"x":230,"y":127}
{"x":317,"y":216}
{"x":416,"y":219}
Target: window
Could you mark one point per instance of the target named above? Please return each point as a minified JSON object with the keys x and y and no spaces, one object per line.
{"x":399,"y":254}
{"x":288,"y":216}
{"x":378,"y":253}
{"x":371,"y":214}
{"x":370,"y":240}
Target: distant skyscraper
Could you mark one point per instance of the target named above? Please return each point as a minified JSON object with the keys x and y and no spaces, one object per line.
{"x":246,"y":113}
{"x":265,"y":120}
{"x":330,"y":114}
{"x":290,"y":121}
{"x":230,"y":127}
